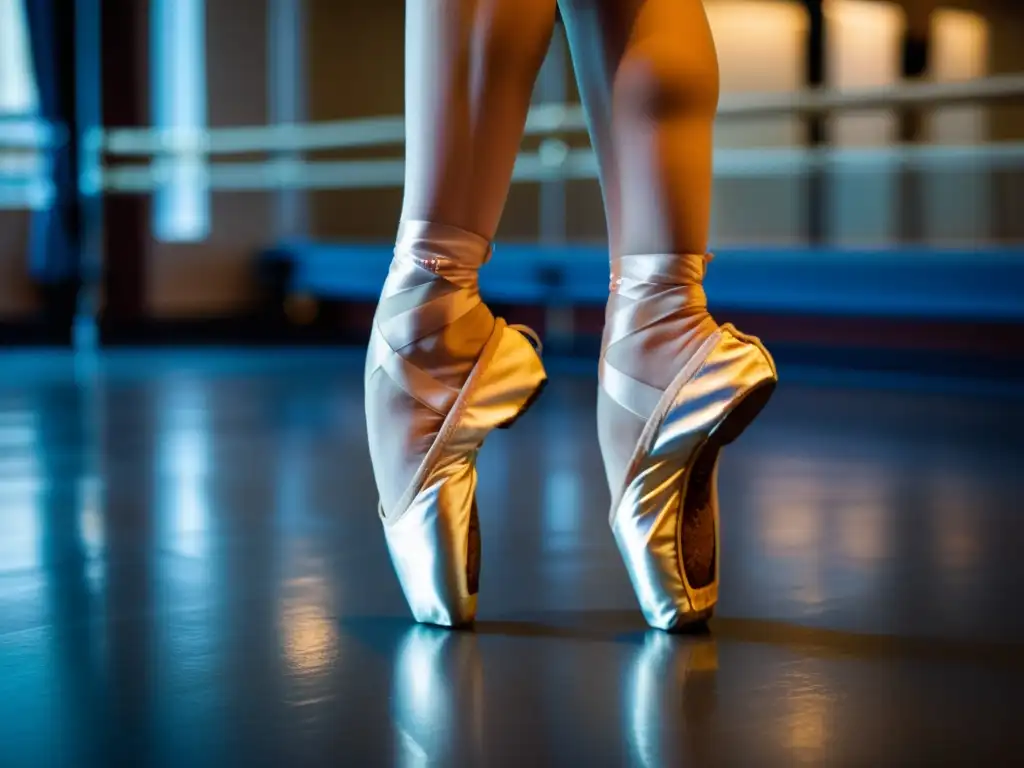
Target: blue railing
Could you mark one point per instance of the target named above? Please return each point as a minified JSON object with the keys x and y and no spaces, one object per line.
{"x":917,"y":283}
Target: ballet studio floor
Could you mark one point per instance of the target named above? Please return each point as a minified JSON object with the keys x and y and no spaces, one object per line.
{"x":192,"y":574}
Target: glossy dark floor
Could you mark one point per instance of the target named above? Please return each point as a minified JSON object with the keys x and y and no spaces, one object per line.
{"x":192,"y":573}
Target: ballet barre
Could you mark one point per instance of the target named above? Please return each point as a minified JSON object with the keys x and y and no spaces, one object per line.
{"x":579,"y":164}
{"x":554,"y":160}
{"x":23,"y":132}
{"x":141,"y":160}
{"x":547,"y":119}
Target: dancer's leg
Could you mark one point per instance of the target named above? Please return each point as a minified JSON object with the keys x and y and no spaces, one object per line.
{"x":648,"y":76}
{"x":470,"y":70}
{"x":441,"y":371}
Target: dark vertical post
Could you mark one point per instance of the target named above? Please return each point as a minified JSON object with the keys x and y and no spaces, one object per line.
{"x":916,"y":42}
{"x":56,"y":231}
{"x":817,"y":181}
{"x":124,"y":74}
{"x":88,"y":111}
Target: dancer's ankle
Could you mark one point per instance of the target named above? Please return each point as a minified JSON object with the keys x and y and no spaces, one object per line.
{"x":657,"y":315}
{"x":432,"y":260}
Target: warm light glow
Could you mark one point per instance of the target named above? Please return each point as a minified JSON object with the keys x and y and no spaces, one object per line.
{"x":860,"y":533}
{"x":958,"y":208}
{"x":863,"y":537}
{"x":790,"y":532}
{"x":308,"y":627}
{"x":760,"y":44}
{"x":792,"y":514}
{"x":808,"y":717}
{"x":863,"y":51}
{"x":959,"y":46}
{"x":954,"y":523}
{"x":864,"y":43}
{"x":760,"y":50}
{"x":959,"y":52}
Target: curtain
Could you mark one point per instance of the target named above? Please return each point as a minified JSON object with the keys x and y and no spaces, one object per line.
{"x":55,"y":243}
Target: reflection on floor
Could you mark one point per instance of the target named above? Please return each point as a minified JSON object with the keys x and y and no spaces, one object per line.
{"x":192,"y":573}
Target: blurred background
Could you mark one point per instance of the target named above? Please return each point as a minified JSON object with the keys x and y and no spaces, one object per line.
{"x":185,"y":171}
{"x":192,"y":570}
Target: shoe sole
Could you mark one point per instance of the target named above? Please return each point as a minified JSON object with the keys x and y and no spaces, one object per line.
{"x":748,"y":409}
{"x":474,"y":543}
{"x":533,"y":398}
{"x":734,"y":425}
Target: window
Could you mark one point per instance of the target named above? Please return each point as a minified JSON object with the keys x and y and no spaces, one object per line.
{"x":760,"y":50}
{"x":17,"y":85}
{"x":21,"y":172}
{"x":961,"y":52}
{"x":181,"y":205}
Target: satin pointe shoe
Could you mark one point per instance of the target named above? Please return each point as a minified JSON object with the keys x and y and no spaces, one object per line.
{"x":427,"y":417}
{"x":661,"y":444}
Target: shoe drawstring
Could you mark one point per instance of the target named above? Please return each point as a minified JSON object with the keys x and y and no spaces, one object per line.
{"x":531,"y":335}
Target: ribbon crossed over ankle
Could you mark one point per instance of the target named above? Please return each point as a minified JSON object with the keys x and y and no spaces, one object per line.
{"x":647,"y":290}
{"x":432,"y":283}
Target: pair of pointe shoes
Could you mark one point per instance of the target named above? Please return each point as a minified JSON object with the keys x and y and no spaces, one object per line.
{"x":661,"y":451}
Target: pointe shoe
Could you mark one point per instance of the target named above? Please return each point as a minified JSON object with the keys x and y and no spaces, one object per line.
{"x":672,"y":471}
{"x":424,"y":434}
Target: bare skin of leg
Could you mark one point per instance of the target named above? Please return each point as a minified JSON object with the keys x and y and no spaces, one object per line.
{"x":470,"y":70}
{"x":648,"y":77}
{"x":469,"y":73}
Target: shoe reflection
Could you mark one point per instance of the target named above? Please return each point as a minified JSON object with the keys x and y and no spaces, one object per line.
{"x":436,"y":698}
{"x":670,"y":700}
